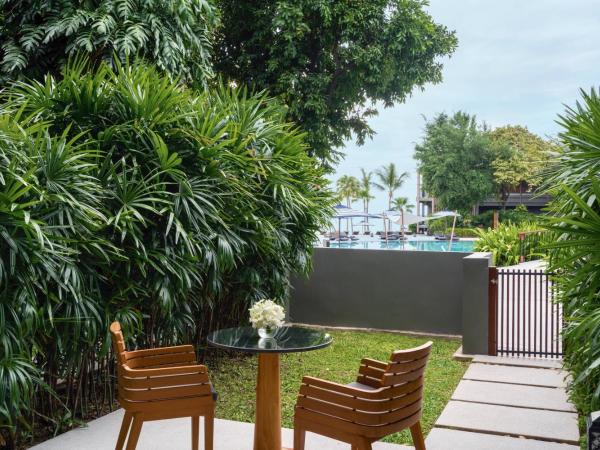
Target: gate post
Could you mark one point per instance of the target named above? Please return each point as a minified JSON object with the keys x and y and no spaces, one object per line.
{"x":493,"y":311}
{"x":475,"y":317}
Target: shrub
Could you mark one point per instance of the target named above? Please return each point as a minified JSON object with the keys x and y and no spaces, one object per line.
{"x":124,"y":195}
{"x":576,"y":253}
{"x":438,"y":226}
{"x":463,"y":232}
{"x":517,"y":216}
{"x":505,"y":245}
{"x":38,"y":35}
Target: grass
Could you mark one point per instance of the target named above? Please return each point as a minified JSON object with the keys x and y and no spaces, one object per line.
{"x":235,"y":377}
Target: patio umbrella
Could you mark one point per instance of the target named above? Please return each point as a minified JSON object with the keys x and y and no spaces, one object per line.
{"x":344,"y":212}
{"x":453,"y":214}
{"x":408,"y":219}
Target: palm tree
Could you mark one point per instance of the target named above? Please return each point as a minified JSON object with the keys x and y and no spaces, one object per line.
{"x":390,"y":181}
{"x":365,"y":189}
{"x":348,"y":188}
{"x":401,"y":205}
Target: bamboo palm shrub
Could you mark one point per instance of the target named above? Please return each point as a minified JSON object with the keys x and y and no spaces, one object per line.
{"x":505,"y":245}
{"x":575,"y":255}
{"x":126,"y":195}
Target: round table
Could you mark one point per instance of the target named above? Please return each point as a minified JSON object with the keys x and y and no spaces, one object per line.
{"x":267,"y":428}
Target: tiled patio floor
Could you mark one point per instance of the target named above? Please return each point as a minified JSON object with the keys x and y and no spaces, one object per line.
{"x":101,"y":434}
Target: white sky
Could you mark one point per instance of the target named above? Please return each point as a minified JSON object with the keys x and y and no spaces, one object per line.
{"x":517,"y":62}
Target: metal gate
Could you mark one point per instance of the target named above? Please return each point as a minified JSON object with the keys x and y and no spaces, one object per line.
{"x":523,"y":318}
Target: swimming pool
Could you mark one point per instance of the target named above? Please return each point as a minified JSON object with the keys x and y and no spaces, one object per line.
{"x":426,"y":246}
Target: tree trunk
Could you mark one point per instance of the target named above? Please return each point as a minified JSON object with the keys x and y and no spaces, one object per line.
{"x":402,"y":225}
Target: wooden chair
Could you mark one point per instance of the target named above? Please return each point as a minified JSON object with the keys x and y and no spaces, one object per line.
{"x":162,"y":383}
{"x":386,"y":398}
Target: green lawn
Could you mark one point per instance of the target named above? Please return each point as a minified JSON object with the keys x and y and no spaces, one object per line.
{"x":235,"y":377}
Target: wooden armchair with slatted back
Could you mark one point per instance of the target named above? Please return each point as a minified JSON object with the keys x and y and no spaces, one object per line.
{"x":162,"y":383}
{"x":385,"y":399}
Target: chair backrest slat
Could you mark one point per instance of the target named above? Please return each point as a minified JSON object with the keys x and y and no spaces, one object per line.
{"x":118,"y":342}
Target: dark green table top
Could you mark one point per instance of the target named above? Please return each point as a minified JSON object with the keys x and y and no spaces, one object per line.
{"x":289,"y":339}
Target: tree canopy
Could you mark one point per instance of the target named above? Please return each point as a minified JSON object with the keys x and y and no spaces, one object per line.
{"x":522,"y":158}
{"x":37,"y":35}
{"x":332,"y":61}
{"x":455,"y":158}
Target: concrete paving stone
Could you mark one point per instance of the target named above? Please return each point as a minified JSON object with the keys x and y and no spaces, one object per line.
{"x":175,"y":434}
{"x":505,"y":420}
{"x":541,"y":363}
{"x":444,"y":439}
{"x":513,"y":395}
{"x":516,"y":375}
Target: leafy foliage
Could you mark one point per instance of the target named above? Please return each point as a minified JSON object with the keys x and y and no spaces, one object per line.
{"x":518,"y":215}
{"x":38,"y":35}
{"x":576,"y":253}
{"x":505,"y":245}
{"x":331,"y":61}
{"x":455,"y":158}
{"x":522,"y":159}
{"x":124,"y":195}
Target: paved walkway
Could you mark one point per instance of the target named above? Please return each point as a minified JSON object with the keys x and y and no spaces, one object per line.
{"x":508,"y":404}
{"x":500,"y":404}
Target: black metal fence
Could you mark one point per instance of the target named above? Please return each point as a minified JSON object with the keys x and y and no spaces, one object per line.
{"x":531,"y":245}
{"x":524,"y":319}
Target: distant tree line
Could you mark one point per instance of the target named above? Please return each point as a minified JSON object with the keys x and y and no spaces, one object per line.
{"x":386,"y":179}
{"x":464,"y":162}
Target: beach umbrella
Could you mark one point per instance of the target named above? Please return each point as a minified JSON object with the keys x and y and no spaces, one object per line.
{"x":453,"y":214}
{"x":409,"y":218}
{"x":344,"y":212}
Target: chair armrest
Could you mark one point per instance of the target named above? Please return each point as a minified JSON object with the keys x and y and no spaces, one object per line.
{"x":164,"y":356}
{"x":373,"y":363}
{"x":161,"y":371}
{"x":372,"y":394}
{"x":160,"y":351}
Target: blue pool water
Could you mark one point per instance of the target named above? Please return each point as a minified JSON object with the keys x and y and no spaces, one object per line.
{"x":427,"y":246}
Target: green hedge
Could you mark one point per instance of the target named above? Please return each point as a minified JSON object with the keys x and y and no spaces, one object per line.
{"x":125,"y":195}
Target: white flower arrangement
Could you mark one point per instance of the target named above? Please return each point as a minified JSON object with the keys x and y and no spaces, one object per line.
{"x":266,"y":314}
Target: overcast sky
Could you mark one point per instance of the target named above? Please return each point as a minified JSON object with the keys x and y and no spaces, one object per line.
{"x":517,"y":62}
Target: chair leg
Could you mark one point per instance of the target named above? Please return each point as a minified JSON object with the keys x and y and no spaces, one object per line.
{"x":299,"y":438}
{"x":363,"y":444}
{"x":124,"y":430}
{"x":195,"y":432}
{"x":209,"y":427}
{"x":417,"y":436}
{"x":134,"y":434}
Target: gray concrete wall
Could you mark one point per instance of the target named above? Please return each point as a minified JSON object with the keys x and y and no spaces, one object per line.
{"x":385,"y":289}
{"x":475,"y":303}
